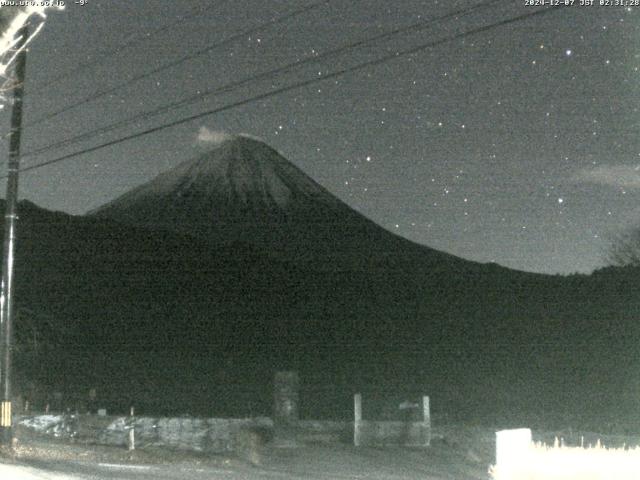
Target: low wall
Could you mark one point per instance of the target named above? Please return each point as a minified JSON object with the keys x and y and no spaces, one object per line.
{"x":413,"y":430}
{"x":219,"y":435}
{"x":325,"y":431}
{"x":214,"y":435}
{"x":380,"y":433}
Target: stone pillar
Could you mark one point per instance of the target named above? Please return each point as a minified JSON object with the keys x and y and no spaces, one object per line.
{"x":357,"y":419}
{"x":425,"y":428}
{"x":286,"y":396}
{"x":426,"y":412}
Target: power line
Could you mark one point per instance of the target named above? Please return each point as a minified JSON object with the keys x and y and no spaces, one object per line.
{"x":181,"y":60}
{"x":297,"y":85}
{"x":264,"y":75}
{"x":87,"y":65}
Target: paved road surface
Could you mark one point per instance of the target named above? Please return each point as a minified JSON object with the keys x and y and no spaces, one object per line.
{"x":313,"y":463}
{"x":107,"y":471}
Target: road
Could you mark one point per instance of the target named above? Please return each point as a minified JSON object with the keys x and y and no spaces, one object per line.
{"x":111,"y":471}
{"x":105,"y":471}
{"x":310,"y":462}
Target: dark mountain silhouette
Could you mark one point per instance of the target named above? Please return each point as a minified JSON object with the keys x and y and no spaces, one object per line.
{"x":243,"y":190}
{"x":187,"y":293}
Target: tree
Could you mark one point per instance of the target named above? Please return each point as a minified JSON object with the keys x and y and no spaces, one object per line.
{"x":624,"y":250}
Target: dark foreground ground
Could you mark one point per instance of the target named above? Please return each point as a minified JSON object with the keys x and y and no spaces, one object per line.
{"x":456,"y":453}
{"x":461,"y":453}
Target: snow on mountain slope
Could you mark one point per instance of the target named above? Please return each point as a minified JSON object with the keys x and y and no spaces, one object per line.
{"x":240,"y":169}
{"x":242,"y":190}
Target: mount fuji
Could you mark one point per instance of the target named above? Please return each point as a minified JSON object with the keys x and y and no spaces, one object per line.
{"x":244,"y":191}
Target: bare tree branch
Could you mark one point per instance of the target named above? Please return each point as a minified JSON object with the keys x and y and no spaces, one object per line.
{"x":625,"y":249}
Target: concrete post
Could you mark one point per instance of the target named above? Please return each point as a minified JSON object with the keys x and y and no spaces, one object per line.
{"x":426,"y":412}
{"x":357,"y":418}
{"x":286,"y":398}
{"x":286,"y":387}
{"x":426,"y":418}
{"x":131,"y":443}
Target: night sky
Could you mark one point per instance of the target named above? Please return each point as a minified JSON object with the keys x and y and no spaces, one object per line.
{"x":517,"y":145}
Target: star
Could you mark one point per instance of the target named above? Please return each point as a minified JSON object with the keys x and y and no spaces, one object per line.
{"x":499,"y":125}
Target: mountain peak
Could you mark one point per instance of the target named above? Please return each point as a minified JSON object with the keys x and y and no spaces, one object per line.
{"x":241,"y":169}
{"x":237,"y":172}
{"x":228,"y":193}
{"x":243,"y":190}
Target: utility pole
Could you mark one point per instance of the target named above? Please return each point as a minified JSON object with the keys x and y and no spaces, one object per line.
{"x":8,"y":250}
